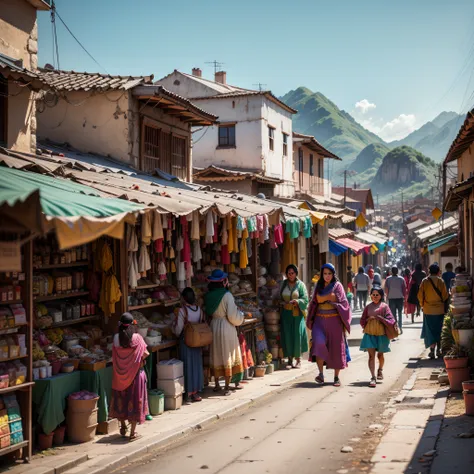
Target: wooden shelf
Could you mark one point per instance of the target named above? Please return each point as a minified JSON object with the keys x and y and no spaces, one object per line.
{"x":62,"y":265}
{"x":14,"y":358}
{"x":162,"y":345}
{"x":12,"y":330}
{"x":245,"y":293}
{"x":61,"y":296}
{"x":153,"y":305}
{"x":143,"y":287}
{"x":10,"y":302}
{"x":16,"y":387}
{"x":14,"y":447}
{"x":69,"y":322}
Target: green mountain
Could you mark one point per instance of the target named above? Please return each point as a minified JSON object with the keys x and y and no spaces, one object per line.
{"x":434,"y":138}
{"x":407,"y":169}
{"x":331,"y":126}
{"x":367,"y":163}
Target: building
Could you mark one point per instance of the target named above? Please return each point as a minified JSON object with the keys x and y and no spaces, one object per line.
{"x":308,"y":158}
{"x":19,"y":83}
{"x":254,"y":134}
{"x":361,"y":199}
{"x":460,"y":197}
{"x":128,"y":119}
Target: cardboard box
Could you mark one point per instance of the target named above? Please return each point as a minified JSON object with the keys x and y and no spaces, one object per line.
{"x":169,"y":369}
{"x":171,"y":388}
{"x":173,"y":403}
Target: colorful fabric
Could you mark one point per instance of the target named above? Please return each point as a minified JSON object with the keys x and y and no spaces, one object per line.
{"x":432,"y":326}
{"x":379,"y":343}
{"x":383,"y":316}
{"x":243,"y":255}
{"x":127,"y":361}
{"x":429,"y":299}
{"x":131,"y":404}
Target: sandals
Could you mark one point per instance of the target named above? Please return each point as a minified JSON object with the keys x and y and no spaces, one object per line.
{"x":431,"y":355}
{"x":337,"y":382}
{"x":380,"y":374}
{"x":298,"y":365}
{"x":320,"y":379}
{"x":123,"y":431}
{"x":134,"y":437}
{"x":196,"y":398}
{"x":373,"y":382}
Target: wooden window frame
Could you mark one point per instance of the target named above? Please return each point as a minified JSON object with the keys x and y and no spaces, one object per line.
{"x":300,"y":165}
{"x":311,"y":164}
{"x":285,"y":143}
{"x":271,"y":138}
{"x":227,"y":127}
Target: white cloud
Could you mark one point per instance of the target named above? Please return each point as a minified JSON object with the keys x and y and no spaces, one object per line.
{"x":398,"y":128}
{"x":364,"y":106}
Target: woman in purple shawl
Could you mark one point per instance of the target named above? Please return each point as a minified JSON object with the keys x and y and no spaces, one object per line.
{"x":329,"y":317}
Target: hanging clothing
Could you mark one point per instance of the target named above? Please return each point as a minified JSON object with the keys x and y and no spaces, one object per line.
{"x":209,"y":227}
{"x":144,"y":263}
{"x":230,"y":232}
{"x":157,"y":232}
{"x":146,"y":229}
{"x":195,"y":226}
{"x":278,"y":234}
{"x":110,"y":294}
{"x":243,"y":256}
{"x":132,"y":247}
{"x":225,"y":255}
{"x":289,"y":252}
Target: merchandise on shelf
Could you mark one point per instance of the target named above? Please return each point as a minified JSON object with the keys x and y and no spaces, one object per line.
{"x":11,"y":428}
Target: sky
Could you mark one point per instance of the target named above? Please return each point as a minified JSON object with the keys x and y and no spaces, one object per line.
{"x":392,"y":65}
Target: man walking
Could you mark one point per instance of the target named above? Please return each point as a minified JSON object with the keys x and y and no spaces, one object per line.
{"x":395,"y":289}
{"x":362,"y":286}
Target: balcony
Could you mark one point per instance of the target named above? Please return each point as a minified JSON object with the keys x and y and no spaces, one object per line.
{"x":320,"y":187}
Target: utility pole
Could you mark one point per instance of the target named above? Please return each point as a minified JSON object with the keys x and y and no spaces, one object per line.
{"x":444,"y":194}
{"x":345,"y":184}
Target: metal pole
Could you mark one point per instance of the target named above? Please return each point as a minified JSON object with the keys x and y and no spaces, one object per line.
{"x":345,"y":184}
{"x":444,"y":194}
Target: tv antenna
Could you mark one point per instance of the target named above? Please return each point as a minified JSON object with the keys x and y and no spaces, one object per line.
{"x":260,"y":86}
{"x":216,"y":64}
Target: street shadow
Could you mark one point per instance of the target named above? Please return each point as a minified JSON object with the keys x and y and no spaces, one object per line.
{"x":425,"y":363}
{"x":359,"y":384}
{"x":309,"y":385}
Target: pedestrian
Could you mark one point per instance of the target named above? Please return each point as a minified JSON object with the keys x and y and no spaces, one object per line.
{"x":294,"y":299}
{"x":416,"y":278}
{"x":349,"y":297}
{"x":362,"y":286}
{"x":129,"y":401}
{"x":410,"y":308}
{"x":226,"y":358}
{"x":432,"y":296}
{"x":395,"y":288}
{"x":375,"y":318}
{"x":375,"y":278}
{"x":448,"y":275}
{"x":350,"y":277}
{"x":329,"y":319}
{"x":190,"y":312}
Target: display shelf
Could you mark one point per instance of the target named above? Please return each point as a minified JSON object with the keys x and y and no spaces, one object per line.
{"x":153,"y":305}
{"x":12,"y":330}
{"x":14,"y":358}
{"x":69,"y":322}
{"x":162,"y":346}
{"x":16,"y":387}
{"x":245,"y":293}
{"x":62,"y":265}
{"x":10,"y":302}
{"x":61,"y":296}
{"x":143,"y":287}
{"x":14,"y":447}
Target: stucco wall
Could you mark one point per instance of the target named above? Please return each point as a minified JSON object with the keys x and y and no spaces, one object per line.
{"x":91,"y":122}
{"x":466,"y":164}
{"x":309,"y":182}
{"x":21,"y":125}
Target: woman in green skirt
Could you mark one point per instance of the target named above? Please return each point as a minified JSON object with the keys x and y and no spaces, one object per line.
{"x":294,"y":296}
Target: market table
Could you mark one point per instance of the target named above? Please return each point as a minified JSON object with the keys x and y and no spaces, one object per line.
{"x":50,"y":395}
{"x":153,"y":359}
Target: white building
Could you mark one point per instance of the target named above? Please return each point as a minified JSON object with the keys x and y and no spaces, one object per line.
{"x":254,"y":135}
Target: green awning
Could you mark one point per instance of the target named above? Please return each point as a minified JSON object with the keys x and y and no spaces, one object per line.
{"x":76,"y":212}
{"x":441,"y":241}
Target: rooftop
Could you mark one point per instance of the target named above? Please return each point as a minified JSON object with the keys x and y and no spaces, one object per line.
{"x":463,"y":140}
{"x":313,"y":144}
{"x":218,"y":174}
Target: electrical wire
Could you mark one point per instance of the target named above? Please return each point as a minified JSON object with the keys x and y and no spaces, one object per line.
{"x":55,"y":34}
{"x":78,"y":42}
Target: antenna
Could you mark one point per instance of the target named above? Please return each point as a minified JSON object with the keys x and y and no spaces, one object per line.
{"x":259,"y":85}
{"x":216,"y":64}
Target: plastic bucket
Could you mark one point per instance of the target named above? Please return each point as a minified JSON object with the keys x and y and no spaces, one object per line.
{"x":156,"y":402}
{"x":82,"y":419}
{"x":82,"y":406}
{"x":81,"y":434}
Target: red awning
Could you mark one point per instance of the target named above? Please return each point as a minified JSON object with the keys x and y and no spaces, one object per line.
{"x":357,"y":247}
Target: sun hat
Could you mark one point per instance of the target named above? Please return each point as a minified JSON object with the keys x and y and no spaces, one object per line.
{"x":217,"y":275}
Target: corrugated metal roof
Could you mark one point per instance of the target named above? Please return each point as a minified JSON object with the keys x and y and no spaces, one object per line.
{"x":439,"y":227}
{"x":216,"y":174}
{"x":340,"y":233}
{"x":85,"y":81}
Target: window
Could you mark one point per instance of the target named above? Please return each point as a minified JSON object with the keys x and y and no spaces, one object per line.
{"x":227,"y":135}
{"x":3,"y":110}
{"x":311,"y":165}
{"x":164,"y":151}
{"x":300,"y":165}
{"x":285,"y":144}
{"x":321,"y":168}
{"x":271,"y":138}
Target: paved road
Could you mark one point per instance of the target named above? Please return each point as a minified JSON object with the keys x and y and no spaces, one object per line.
{"x":301,"y":429}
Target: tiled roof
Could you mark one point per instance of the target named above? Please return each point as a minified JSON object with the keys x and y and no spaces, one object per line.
{"x":215,"y":173}
{"x":464,"y":139}
{"x":313,"y":144}
{"x":85,"y":81}
{"x":13,"y":69}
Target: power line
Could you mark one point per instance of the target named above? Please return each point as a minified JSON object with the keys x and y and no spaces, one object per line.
{"x":55,"y":36}
{"x":77,"y":41}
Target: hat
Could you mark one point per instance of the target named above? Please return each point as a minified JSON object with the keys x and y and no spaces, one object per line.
{"x":217,"y":275}
{"x":329,"y":266}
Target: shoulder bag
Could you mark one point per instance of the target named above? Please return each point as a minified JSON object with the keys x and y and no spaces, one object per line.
{"x":196,"y":334}
{"x":392,"y":331}
{"x":446,"y":303}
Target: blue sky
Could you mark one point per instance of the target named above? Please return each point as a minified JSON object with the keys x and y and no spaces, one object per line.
{"x":402,"y":62}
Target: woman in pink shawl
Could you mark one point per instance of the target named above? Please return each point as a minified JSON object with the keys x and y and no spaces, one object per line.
{"x":329,"y":317}
{"x":129,"y":382}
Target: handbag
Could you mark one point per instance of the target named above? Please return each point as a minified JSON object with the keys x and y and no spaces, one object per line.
{"x":196,"y":334}
{"x":392,"y":332}
{"x":446,"y":303}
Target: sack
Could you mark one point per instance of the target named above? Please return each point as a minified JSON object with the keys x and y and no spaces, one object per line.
{"x":446,"y":303}
{"x":197,"y":335}
{"x":392,"y":332}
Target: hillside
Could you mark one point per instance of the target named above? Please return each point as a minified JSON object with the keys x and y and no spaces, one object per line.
{"x":433,"y":138}
{"x":405,"y":168}
{"x":331,"y":126}
{"x":367,"y":163}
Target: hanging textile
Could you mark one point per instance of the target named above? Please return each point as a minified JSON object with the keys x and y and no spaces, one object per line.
{"x":289,"y":252}
{"x":230,"y":233}
{"x":146,"y":227}
{"x":209,"y":227}
{"x":323,"y":237}
{"x":307,"y":226}
{"x":243,"y":256}
{"x":195,"y":226}
{"x":157,"y":232}
{"x":132,"y":247}
{"x":144,"y":263}
{"x":278,"y":233}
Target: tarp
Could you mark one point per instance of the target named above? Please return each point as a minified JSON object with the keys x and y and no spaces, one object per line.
{"x":335,"y":248}
{"x":441,"y":241}
{"x":357,"y":247}
{"x":76,"y":212}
